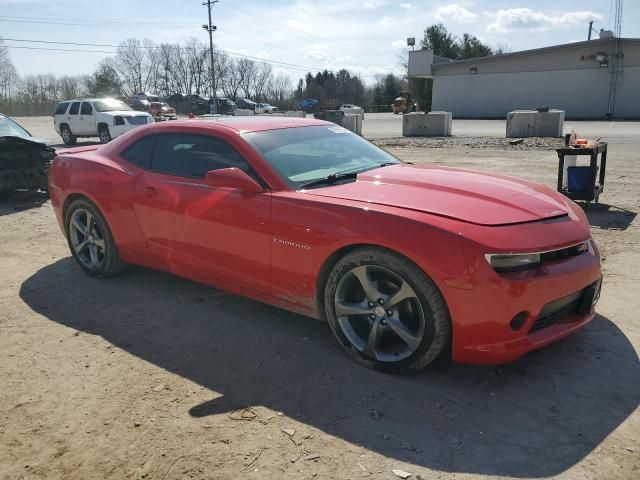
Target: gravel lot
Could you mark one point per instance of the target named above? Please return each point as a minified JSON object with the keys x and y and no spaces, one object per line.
{"x":147,"y":375}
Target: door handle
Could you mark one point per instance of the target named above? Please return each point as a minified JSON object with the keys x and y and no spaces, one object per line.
{"x":149,"y":191}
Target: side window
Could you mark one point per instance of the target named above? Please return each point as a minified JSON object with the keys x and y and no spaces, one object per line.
{"x":61,"y":108}
{"x":75,"y":106}
{"x":195,"y":155}
{"x":86,"y":109}
{"x":140,"y":153}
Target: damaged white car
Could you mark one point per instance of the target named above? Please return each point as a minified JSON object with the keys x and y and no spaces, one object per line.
{"x":106,"y":118}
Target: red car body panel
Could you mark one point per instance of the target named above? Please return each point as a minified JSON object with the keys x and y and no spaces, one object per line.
{"x":273,"y":245}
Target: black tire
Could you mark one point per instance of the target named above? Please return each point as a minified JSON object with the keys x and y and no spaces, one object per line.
{"x":67,"y":137}
{"x":104,"y":134}
{"x":436,"y":330}
{"x":110,"y":262}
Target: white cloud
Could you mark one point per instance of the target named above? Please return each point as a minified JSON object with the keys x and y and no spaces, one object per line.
{"x":386,"y":20}
{"x":263,"y":55}
{"x":318,"y":50}
{"x":405,"y":5}
{"x":399,"y":44}
{"x":454,"y":12}
{"x":527,"y":19}
{"x":368,"y":5}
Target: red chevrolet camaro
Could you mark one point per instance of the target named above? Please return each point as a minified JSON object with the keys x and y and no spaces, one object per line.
{"x":405,"y":262}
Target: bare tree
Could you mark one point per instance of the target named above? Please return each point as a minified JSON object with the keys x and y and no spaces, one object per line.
{"x":8,"y":74}
{"x":280,"y":88}
{"x":233,"y":79}
{"x":70,"y":87}
{"x":262,"y":79}
{"x":131,"y":63}
{"x":248,"y":69}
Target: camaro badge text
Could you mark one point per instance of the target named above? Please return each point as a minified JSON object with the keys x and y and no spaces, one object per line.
{"x":289,"y":243}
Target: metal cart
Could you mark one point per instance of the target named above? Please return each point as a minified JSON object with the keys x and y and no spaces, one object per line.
{"x":591,"y":189}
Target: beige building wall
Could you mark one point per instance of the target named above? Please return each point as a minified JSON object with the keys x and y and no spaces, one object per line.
{"x":564,"y":77}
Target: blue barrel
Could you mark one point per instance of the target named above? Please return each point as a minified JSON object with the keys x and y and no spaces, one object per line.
{"x":580,"y":179}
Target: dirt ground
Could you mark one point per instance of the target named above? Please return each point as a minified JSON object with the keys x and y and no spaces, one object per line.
{"x":147,"y":375}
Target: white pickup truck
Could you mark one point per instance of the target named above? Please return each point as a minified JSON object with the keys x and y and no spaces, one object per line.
{"x":100,"y":117}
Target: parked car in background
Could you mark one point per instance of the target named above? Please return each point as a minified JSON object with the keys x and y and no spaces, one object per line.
{"x":142,"y":100}
{"x":24,"y":160}
{"x":405,"y":262}
{"x":269,"y":108}
{"x":225,"y":106}
{"x":177,"y":98}
{"x":307,"y":104}
{"x":261,"y":108}
{"x":106,"y":118}
{"x":161,"y":111}
{"x":351,"y":108}
{"x":246,"y":104}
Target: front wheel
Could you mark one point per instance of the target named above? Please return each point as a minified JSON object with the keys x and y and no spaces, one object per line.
{"x":385,"y":312}
{"x":91,"y":241}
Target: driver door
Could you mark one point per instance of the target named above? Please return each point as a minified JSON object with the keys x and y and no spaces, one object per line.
{"x":218,"y":233}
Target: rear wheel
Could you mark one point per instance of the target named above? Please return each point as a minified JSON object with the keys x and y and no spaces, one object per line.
{"x":91,"y":241}
{"x":385,"y":312}
{"x":105,"y":136}
{"x":67,"y":137}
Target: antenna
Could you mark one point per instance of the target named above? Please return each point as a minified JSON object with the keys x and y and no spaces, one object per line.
{"x":617,"y":70}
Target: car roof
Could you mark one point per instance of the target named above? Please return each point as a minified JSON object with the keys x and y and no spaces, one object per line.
{"x":249,"y":124}
{"x":87,"y":99}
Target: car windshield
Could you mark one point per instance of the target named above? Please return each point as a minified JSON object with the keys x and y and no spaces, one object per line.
{"x":9,"y":127}
{"x":306,"y":154}
{"x":110,"y":105}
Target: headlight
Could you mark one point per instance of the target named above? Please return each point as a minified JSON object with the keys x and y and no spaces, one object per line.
{"x":513,"y":262}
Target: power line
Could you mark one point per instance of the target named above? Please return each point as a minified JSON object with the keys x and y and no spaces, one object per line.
{"x":57,"y":49}
{"x":294,"y":66}
{"x":84,"y":23}
{"x":308,"y":36}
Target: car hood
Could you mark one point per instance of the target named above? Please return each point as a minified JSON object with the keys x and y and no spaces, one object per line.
{"x":127,"y":113}
{"x":19,"y":152}
{"x":470,"y":196}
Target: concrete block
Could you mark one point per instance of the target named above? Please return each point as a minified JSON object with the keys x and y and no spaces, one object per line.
{"x":531,"y":123}
{"x":295,"y":113}
{"x":432,"y":124}
{"x":353,"y":122}
{"x":334,"y":116}
{"x":243,"y":112}
{"x":358,"y":110}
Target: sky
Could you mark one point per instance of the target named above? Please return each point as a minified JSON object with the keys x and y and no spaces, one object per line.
{"x":366,"y":37}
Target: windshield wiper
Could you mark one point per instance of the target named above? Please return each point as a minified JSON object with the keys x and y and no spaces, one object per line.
{"x":329,"y":180}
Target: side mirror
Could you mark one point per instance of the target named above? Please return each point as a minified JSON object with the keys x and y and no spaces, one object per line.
{"x":232,"y":178}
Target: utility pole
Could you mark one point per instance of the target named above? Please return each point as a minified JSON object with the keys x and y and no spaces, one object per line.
{"x":590,"y":30}
{"x":211,"y":28}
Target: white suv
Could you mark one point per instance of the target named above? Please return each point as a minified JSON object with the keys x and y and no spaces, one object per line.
{"x":100,"y":117}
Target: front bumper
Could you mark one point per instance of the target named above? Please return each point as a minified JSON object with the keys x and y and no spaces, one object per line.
{"x":24,"y":178}
{"x":481,"y":316}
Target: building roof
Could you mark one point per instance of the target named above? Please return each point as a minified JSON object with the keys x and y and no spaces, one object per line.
{"x":535,"y":51}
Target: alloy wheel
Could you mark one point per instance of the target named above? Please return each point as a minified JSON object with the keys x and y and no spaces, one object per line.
{"x":379,"y":313}
{"x":87,"y":239}
{"x":105,"y":137}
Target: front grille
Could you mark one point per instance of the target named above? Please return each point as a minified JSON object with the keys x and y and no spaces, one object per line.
{"x":564,"y":253}
{"x":556,"y":311}
{"x":137,"y":120}
{"x":580,"y":302}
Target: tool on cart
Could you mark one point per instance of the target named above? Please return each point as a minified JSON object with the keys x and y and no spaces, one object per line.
{"x":581,"y":182}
